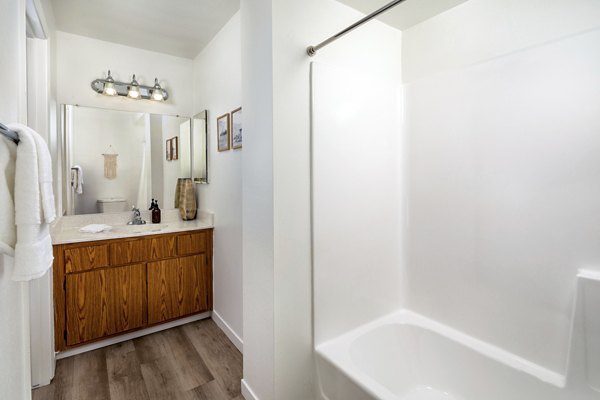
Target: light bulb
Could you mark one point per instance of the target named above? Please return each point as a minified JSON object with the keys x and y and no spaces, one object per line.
{"x":134,"y":89}
{"x":157,"y":93}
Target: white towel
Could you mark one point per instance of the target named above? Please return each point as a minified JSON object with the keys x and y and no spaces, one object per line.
{"x":77,"y":179}
{"x":95,"y":228}
{"x":44,"y":176}
{"x":34,"y":205}
{"x":8,"y":230}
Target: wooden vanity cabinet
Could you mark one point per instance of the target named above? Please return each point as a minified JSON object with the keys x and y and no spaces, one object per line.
{"x":108,"y":287}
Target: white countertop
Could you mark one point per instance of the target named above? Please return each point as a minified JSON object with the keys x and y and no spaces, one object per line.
{"x":66,"y":229}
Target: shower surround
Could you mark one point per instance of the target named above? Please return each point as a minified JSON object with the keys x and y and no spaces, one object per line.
{"x":456,"y":208}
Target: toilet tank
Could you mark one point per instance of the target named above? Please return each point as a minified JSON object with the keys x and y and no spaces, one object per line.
{"x":111,"y":205}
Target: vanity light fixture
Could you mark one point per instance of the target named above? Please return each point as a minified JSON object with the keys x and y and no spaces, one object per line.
{"x":133,"y":90}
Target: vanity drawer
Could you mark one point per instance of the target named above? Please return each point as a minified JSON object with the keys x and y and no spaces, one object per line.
{"x":85,"y":258}
{"x":129,"y":251}
{"x":162,"y":247}
{"x":192,"y":243}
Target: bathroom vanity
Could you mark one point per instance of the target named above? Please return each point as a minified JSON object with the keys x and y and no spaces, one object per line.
{"x":131,"y":277}
{"x":129,"y":281}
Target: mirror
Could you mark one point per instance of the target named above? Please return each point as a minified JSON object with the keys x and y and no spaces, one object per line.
{"x":114,"y":160}
{"x":200,"y":146}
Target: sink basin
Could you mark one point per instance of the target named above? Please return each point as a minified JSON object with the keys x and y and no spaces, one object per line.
{"x":147,"y":228}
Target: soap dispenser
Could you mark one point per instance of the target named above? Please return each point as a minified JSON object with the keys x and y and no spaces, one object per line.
{"x":155,"y":213}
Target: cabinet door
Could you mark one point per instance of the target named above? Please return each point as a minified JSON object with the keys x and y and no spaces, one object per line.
{"x":104,"y":302}
{"x":178,"y":287}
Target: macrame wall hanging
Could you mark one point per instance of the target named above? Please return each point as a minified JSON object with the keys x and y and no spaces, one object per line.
{"x":110,"y":163}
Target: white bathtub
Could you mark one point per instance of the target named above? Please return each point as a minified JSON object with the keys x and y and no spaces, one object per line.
{"x":405,"y":356}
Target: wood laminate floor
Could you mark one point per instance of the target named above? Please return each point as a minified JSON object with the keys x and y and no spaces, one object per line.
{"x":190,"y":362}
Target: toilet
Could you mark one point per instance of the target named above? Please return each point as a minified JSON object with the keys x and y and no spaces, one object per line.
{"x":111,"y":205}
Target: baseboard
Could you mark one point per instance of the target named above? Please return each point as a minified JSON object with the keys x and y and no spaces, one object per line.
{"x":132,"y":335}
{"x":230,"y":333}
{"x":247,"y":393}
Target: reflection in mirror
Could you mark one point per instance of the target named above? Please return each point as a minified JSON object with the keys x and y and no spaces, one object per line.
{"x":114,"y":160}
{"x":200,"y":153}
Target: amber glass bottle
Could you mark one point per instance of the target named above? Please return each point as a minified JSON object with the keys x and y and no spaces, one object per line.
{"x":156,"y":213}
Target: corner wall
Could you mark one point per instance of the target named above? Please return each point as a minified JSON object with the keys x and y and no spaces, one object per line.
{"x":218,"y":89}
{"x":278,"y":311}
{"x":257,"y":175}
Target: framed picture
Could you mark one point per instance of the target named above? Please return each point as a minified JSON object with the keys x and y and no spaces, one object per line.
{"x":175,"y":148}
{"x":223,"y":128}
{"x":169,"y":155}
{"x":236,"y":128}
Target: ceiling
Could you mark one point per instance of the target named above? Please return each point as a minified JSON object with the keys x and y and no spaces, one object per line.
{"x":406,"y":14}
{"x":177,"y":27}
{"x":184,"y":27}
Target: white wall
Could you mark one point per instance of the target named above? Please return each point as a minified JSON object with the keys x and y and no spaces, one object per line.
{"x":504,"y":171}
{"x":80,"y":60}
{"x":94,"y":131}
{"x":218,"y":89}
{"x":15,"y":373}
{"x":257,"y":217}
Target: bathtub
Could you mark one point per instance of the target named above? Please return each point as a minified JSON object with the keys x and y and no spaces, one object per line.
{"x":405,"y":356}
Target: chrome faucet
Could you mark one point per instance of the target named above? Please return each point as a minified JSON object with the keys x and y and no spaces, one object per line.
{"x":136,"y":218}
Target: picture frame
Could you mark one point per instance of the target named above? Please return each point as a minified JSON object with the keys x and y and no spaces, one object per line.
{"x":169,"y":154}
{"x":223,"y":132}
{"x":175,"y":148}
{"x":236,"y":128}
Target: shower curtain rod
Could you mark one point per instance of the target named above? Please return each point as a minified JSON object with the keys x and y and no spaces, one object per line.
{"x":312,"y":50}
